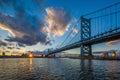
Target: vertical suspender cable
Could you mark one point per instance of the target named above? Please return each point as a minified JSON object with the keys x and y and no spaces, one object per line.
{"x":116,"y":16}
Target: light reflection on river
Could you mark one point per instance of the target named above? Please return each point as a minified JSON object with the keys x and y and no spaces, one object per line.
{"x":58,"y":69}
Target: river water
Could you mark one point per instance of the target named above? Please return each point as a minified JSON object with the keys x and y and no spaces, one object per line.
{"x":58,"y":69}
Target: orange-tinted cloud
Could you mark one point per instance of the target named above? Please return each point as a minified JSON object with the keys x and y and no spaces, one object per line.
{"x":58,"y":20}
{"x":110,"y":43}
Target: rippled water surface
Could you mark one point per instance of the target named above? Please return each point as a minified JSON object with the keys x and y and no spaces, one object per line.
{"x":58,"y":69}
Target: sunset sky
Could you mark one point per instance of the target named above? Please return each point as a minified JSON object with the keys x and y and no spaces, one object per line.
{"x":30,"y":25}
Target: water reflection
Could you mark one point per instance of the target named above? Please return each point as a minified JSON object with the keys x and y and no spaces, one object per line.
{"x":30,"y":64}
{"x":58,"y":69}
{"x":86,"y":69}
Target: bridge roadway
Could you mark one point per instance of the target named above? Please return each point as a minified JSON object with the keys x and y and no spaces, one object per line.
{"x":103,"y":37}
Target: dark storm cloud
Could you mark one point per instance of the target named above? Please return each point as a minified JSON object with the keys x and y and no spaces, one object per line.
{"x":25,"y":27}
{"x":27,"y":24}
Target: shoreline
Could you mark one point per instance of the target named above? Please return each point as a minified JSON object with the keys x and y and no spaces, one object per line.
{"x":81,"y":57}
{"x":96,"y":58}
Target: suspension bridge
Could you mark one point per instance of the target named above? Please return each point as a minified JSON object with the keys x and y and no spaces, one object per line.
{"x":96,"y":27}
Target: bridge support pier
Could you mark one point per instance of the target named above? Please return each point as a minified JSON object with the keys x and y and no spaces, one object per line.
{"x":85,"y":35}
{"x":86,"y":49}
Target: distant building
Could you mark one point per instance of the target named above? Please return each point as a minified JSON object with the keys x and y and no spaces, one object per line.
{"x":113,"y":54}
{"x":3,"y":53}
{"x":105,"y":55}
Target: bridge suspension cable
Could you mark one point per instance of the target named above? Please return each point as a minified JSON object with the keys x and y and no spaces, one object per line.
{"x":104,"y":27}
{"x":102,"y":9}
{"x":69,"y":33}
{"x":102,"y":20}
{"x":74,"y":37}
{"x":105,"y":19}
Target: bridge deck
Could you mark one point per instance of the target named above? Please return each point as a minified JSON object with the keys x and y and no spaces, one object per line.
{"x":104,"y":37}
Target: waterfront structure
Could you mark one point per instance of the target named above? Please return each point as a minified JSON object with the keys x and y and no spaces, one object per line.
{"x":105,"y":55}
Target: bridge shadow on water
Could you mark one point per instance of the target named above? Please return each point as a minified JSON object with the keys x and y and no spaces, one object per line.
{"x":98,"y":70}
{"x":86,"y":69}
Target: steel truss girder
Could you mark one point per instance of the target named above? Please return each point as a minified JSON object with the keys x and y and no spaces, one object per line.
{"x":85,"y":34}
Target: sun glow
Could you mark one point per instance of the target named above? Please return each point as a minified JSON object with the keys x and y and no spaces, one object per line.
{"x":113,"y":54}
{"x":30,"y":55}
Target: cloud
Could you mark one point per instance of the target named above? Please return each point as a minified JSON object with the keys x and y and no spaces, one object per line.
{"x":110,"y":43}
{"x":3,"y":43}
{"x":10,"y":47}
{"x":6,"y":43}
{"x":21,"y":45}
{"x":25,"y":24}
{"x":57,"y":21}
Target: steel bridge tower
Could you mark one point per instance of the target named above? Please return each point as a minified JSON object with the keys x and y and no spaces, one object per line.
{"x":85,"y":34}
